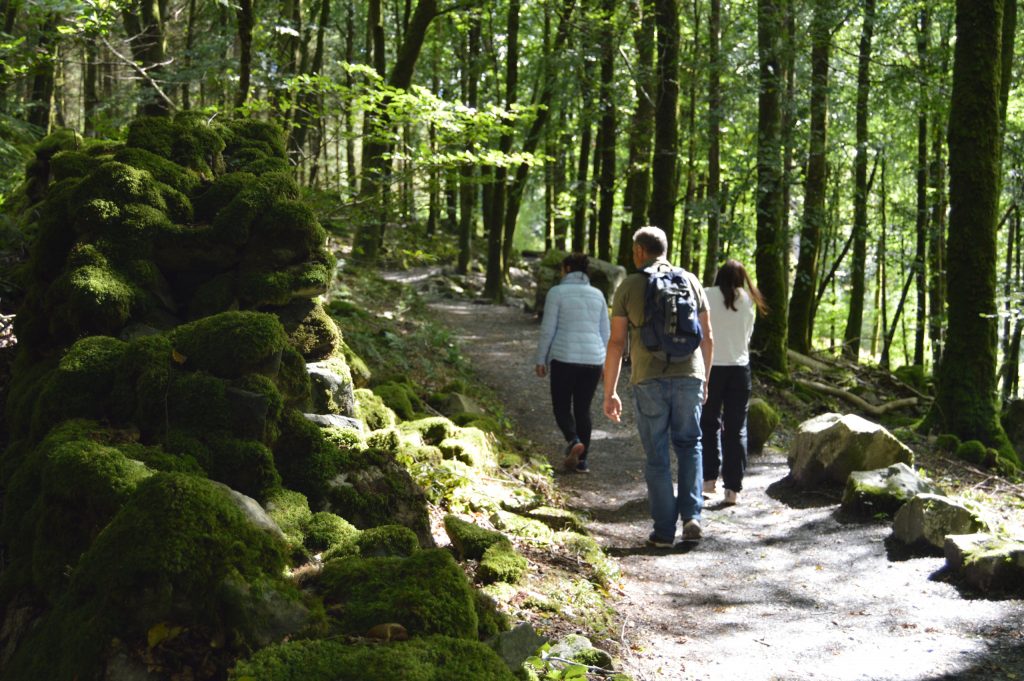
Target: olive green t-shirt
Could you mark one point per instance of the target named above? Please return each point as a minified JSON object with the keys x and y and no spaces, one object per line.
{"x":629,"y":302}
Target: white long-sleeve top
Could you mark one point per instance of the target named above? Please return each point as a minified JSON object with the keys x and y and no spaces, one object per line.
{"x":575,"y":329}
{"x":731,"y":328}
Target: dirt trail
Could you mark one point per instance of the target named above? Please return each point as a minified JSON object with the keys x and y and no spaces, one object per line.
{"x":782,"y":586}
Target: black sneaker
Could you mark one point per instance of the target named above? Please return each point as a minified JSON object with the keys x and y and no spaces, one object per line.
{"x":656,"y":542}
{"x":582,"y":466}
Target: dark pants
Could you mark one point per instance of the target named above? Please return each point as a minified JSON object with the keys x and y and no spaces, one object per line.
{"x":572,"y":389}
{"x":724,"y":425}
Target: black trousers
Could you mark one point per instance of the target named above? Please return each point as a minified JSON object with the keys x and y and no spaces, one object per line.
{"x":723,"y":425}
{"x":572,"y":390}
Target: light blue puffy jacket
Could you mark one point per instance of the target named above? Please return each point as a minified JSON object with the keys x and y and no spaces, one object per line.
{"x":575,"y":329}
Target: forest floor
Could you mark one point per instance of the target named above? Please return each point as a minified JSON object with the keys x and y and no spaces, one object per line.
{"x":783,"y":585}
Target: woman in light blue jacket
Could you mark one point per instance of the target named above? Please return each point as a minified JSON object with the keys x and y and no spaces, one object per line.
{"x":573,"y":338}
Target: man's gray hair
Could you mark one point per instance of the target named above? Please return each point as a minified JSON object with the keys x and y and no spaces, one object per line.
{"x":652,"y":240}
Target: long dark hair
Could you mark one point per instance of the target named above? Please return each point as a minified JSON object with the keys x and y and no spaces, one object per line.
{"x":732,"y":276}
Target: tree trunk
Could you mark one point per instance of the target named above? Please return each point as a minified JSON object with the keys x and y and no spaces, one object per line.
{"x":851,"y":337}
{"x":666,"y":135}
{"x":769,"y":339}
{"x":41,"y":102}
{"x":690,"y":238}
{"x":924,"y":28}
{"x":582,"y":188}
{"x":1009,"y":366}
{"x":966,"y":392}
{"x":308,"y":101}
{"x":246,"y":22}
{"x":714,"y":141}
{"x":499,"y":237}
{"x":788,"y":126}
{"x":468,"y":172}
{"x":937,"y":232}
{"x":144,"y":23}
{"x":606,"y":150}
{"x":90,"y":85}
{"x":637,"y":192}
{"x":801,"y":304}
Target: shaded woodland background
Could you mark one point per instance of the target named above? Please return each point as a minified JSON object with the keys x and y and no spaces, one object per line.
{"x":862,"y":158}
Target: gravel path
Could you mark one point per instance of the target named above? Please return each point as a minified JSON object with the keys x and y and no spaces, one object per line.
{"x":783,"y":586}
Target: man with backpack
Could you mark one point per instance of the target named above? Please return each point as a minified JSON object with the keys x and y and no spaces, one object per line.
{"x":664,"y":312}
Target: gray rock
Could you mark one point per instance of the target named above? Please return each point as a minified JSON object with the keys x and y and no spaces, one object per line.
{"x":335,"y":421}
{"x":265,"y":615}
{"x":254,"y":513}
{"x":604,"y":276}
{"x":579,"y":649}
{"x":458,"y":403}
{"x":517,"y":645}
{"x":884,"y":490}
{"x":987,"y":563}
{"x":331,"y":387}
{"x":120,"y":667}
{"x":926,"y":519}
{"x":829,"y":447}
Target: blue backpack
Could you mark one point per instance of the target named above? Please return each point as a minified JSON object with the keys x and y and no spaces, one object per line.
{"x":671,"y":330}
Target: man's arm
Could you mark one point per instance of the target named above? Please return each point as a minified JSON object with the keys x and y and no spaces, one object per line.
{"x":612,"y":367}
{"x":707,"y":347}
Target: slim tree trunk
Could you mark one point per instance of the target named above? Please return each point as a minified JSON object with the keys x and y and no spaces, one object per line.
{"x":637,"y":192}
{"x":40,"y":105}
{"x":468,"y":172}
{"x":851,"y":337}
{"x":666,"y":135}
{"x":801,"y":304}
{"x":90,"y":85}
{"x":769,"y":339}
{"x":499,"y":240}
{"x":788,"y":125}
{"x":937,"y":231}
{"x":924,"y":28}
{"x":246,"y":22}
{"x":144,"y":23}
{"x":966,"y":388}
{"x":606,"y":151}
{"x":579,"y":213}
{"x":1009,"y":366}
{"x":690,"y":238}
{"x":714,"y":141}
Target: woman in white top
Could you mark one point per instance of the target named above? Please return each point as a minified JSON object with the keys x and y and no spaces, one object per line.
{"x":731,"y":301}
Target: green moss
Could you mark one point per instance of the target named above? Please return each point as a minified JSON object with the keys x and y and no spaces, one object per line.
{"x":304,"y":458}
{"x":312,"y":332}
{"x":293,"y":378}
{"x":492,"y":621}
{"x":400,"y":398}
{"x":59,"y":140}
{"x":243,"y":465}
{"x":67,"y":164}
{"x":285,"y":234}
{"x":155,"y":134}
{"x":427,"y":593}
{"x":469,"y":540}
{"x":975,"y":451}
{"x":762,"y":420}
{"x":122,"y":184}
{"x":372,"y":411}
{"x":290,"y":510}
{"x":248,"y":131}
{"x":214,"y":296}
{"x":197,"y":401}
{"x":345,"y":439}
{"x":219,"y":194}
{"x":434,"y":658}
{"x":231,"y":343}
{"x":234,"y":222}
{"x":501,"y":563}
{"x":361,"y":373}
{"x":98,"y":300}
{"x":325,"y":530}
{"x":184,"y":180}
{"x":519,"y":526}
{"x":174,"y":543}
{"x":947,"y":442}
{"x":586,"y":549}
{"x":387,"y":540}
{"x":433,"y":429}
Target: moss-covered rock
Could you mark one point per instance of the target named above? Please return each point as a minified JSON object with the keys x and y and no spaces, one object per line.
{"x":290,"y":510}
{"x":433,"y":429}
{"x":469,"y":540}
{"x":400,"y":398}
{"x":492,"y":621}
{"x":434,"y":658}
{"x":427,"y":593}
{"x":387,"y":540}
{"x":372,"y":411}
{"x":311,"y":331}
{"x":325,"y":530}
{"x":947,"y":442}
{"x":975,"y":451}
{"x":527,"y":528}
{"x":331,"y":388}
{"x":762,"y":420}
{"x":501,"y":563}
{"x":231,"y":344}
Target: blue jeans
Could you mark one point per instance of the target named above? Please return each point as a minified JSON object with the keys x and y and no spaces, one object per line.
{"x":724,"y":425}
{"x":668,"y":410}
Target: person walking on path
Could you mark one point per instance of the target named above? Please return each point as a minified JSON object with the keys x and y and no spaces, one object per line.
{"x":668,"y":396}
{"x":573,"y":339}
{"x":723,"y":423}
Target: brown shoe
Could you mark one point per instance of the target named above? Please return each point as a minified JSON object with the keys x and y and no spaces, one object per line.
{"x":731,"y":498}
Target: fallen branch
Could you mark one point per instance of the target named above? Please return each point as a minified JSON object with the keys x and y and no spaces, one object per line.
{"x":804,"y":360}
{"x":860,"y":403}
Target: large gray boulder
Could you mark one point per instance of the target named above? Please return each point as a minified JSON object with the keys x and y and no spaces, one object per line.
{"x":987,"y":563}
{"x":604,"y":276}
{"x":517,"y":645}
{"x":884,"y":490}
{"x":829,"y":447}
{"x":925,"y":520}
